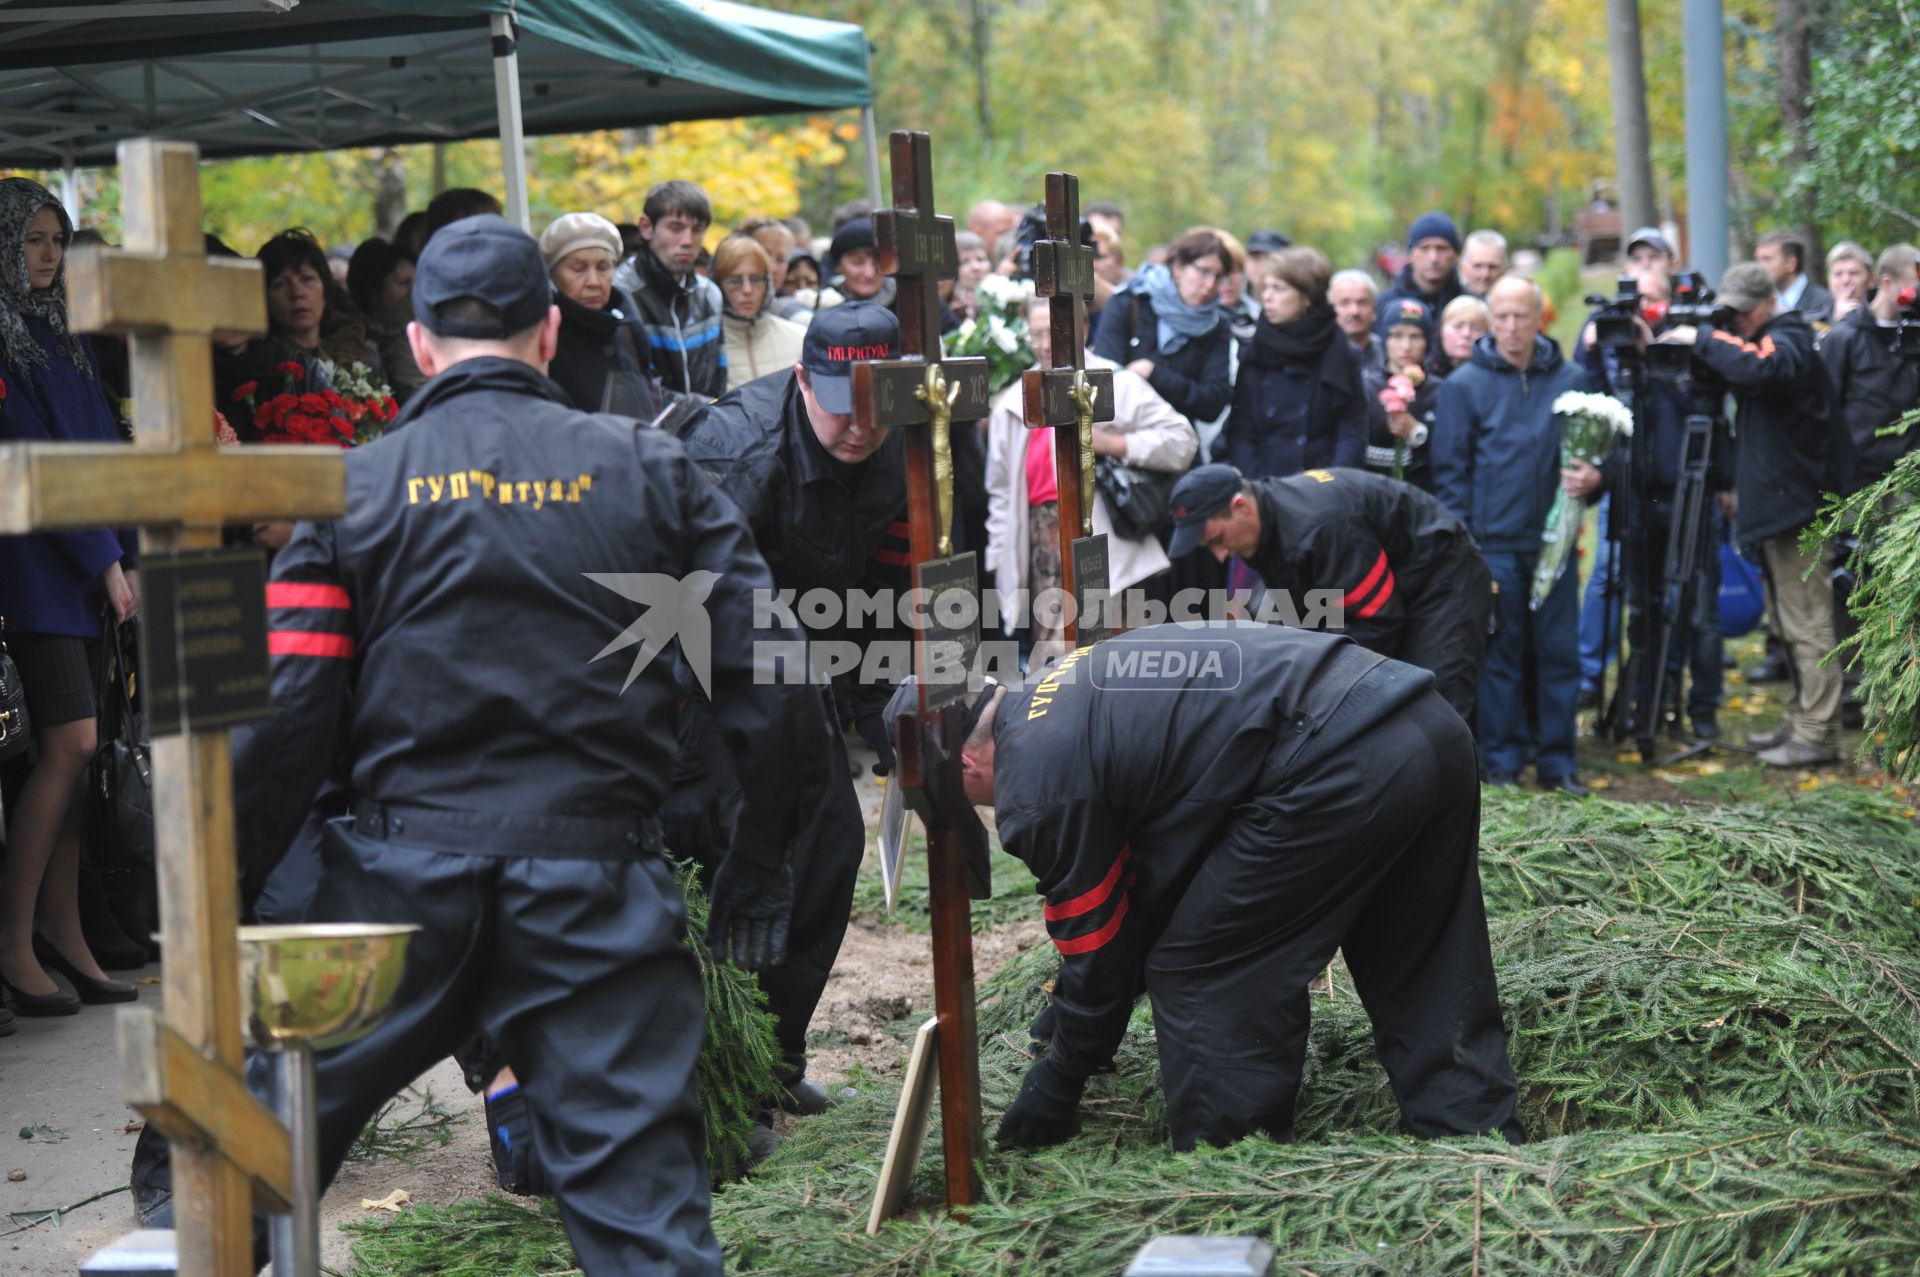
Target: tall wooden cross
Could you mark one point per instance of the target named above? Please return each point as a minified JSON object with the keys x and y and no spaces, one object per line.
{"x":927,"y":393}
{"x":184,"y":1071}
{"x":1068,"y":395}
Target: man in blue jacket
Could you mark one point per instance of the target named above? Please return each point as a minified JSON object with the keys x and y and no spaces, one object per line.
{"x":1496,"y":462}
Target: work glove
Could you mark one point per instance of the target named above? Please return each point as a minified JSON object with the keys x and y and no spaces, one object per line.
{"x":752,"y":906}
{"x":510,"y":1131}
{"x":1045,"y":1111}
{"x":873,"y":730}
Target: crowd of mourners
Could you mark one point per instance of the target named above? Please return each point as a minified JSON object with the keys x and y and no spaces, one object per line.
{"x":1247,"y":351}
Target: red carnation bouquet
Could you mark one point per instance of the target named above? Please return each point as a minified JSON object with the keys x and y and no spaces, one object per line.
{"x":328,"y":407}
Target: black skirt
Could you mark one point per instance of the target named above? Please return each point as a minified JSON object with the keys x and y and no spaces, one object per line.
{"x":57,"y":673}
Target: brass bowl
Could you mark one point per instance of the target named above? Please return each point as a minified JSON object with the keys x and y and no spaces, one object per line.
{"x":323,"y":984}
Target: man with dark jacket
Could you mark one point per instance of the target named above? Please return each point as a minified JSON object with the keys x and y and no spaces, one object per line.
{"x":1496,"y":463}
{"x":679,"y":307}
{"x":1410,"y":581}
{"x":1875,"y":371}
{"x":826,"y":499}
{"x":1783,"y":409}
{"x":1212,"y":810}
{"x":1431,"y":274}
{"x":449,"y":630}
{"x":1785,"y":258}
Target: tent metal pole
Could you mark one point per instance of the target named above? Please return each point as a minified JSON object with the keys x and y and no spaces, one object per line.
{"x":513,"y":142}
{"x":69,"y":185}
{"x":871,"y":130}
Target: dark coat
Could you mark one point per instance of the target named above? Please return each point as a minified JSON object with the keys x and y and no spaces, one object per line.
{"x":1816,"y":304}
{"x":1195,"y":379}
{"x":1376,"y":542}
{"x":1380,"y":440}
{"x":1403,"y":286}
{"x":50,"y":581}
{"x":1495,"y":450}
{"x":1780,"y":422}
{"x":818,"y":522}
{"x":601,"y":359}
{"x":1872,"y":387}
{"x":447,"y":627}
{"x":1286,"y":420}
{"x":1113,"y":797}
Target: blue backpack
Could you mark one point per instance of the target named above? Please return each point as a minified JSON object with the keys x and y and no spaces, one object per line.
{"x":1742,"y":593}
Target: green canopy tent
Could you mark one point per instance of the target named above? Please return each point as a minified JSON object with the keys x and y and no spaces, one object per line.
{"x":251,"y":77}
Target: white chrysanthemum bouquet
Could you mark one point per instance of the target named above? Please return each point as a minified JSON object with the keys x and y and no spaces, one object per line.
{"x":1589,"y":424}
{"x":999,"y":332}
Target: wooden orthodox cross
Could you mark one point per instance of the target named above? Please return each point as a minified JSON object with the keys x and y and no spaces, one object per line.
{"x":927,"y":393}
{"x":184,"y":1071}
{"x":1068,"y":395}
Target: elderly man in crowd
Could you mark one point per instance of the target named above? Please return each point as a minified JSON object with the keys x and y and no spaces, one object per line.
{"x":1483,"y":259}
{"x":1496,"y":462}
{"x":1354,"y":299}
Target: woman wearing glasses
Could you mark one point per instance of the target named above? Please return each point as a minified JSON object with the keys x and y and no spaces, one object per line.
{"x":1165,"y":327}
{"x":759,"y":342}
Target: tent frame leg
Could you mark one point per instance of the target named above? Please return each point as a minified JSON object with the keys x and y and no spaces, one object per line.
{"x":871,"y":129}
{"x":513,"y":142}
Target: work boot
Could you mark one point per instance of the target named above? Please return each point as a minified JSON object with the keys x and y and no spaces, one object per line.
{"x":1794,"y":754}
{"x":1706,"y":725}
{"x":761,"y":1143}
{"x":803,"y":1098}
{"x":1778,"y":735}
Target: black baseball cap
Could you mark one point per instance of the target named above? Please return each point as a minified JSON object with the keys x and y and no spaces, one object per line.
{"x":1201,"y":493}
{"x":1267,"y":242}
{"x":838,"y":338}
{"x":490,"y":260}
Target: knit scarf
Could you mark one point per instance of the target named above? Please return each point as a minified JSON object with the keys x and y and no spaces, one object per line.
{"x":1300,"y":341}
{"x":20,"y":199}
{"x":1182,"y":322}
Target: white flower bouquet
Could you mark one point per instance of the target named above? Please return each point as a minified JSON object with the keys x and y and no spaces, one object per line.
{"x":1589,"y":424}
{"x":999,"y":332}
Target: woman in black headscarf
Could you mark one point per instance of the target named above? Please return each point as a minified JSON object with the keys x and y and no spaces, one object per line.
{"x":54,"y":587}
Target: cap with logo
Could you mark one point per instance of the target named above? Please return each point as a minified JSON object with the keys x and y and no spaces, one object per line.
{"x":1652,"y":238}
{"x":838,"y":338}
{"x":1407,"y":310}
{"x":490,"y":260}
{"x":1201,"y":493}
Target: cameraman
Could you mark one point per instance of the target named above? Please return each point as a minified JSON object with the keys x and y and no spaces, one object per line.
{"x":1874,"y":366}
{"x":1782,"y":409}
{"x":1661,"y":423}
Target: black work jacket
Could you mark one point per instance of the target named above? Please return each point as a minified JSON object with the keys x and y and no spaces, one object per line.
{"x":1116,"y":772}
{"x":1872,"y":387}
{"x":819,"y":523}
{"x":1780,"y":423}
{"x":451,"y":626}
{"x":1371,"y":542}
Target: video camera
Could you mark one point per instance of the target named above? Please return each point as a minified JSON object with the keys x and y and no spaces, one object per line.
{"x":1909,"y":322}
{"x":1033,"y":228}
{"x":1692,"y":303}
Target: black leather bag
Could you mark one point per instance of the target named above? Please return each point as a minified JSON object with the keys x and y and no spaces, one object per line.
{"x":1136,"y":498}
{"x":14,"y":728}
{"x":120,"y":788}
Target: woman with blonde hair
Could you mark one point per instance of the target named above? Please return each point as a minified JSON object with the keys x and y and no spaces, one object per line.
{"x":759,"y":342}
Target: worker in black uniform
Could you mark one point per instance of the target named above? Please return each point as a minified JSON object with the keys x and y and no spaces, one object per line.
{"x":1213,"y":809}
{"x":827,"y":500}
{"x":484,"y":627}
{"x":1409,"y":581}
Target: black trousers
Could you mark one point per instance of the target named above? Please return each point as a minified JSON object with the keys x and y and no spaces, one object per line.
{"x":825,"y":858}
{"x":577,"y":971}
{"x":1446,"y":632}
{"x":1372,"y":851}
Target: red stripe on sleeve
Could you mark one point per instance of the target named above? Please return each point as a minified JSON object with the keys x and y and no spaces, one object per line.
{"x":1360,"y":591}
{"x":307,"y":594}
{"x":900,"y":530}
{"x":309,"y":643}
{"x":895,"y":557}
{"x":1087,"y":902}
{"x":1098,"y":939}
{"x":1379,"y":600}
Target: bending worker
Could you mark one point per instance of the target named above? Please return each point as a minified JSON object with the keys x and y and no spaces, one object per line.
{"x":1410,"y":581}
{"x":1218,"y":844}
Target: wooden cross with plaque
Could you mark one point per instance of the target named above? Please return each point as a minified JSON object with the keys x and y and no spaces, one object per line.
{"x":1068,"y":395}
{"x":925,"y":393}
{"x":183,"y":1071}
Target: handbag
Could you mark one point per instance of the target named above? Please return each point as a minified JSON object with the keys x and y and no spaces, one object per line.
{"x":14,"y":728}
{"x":120,"y":786}
{"x":1137,"y":499}
{"x":1742,"y":597}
